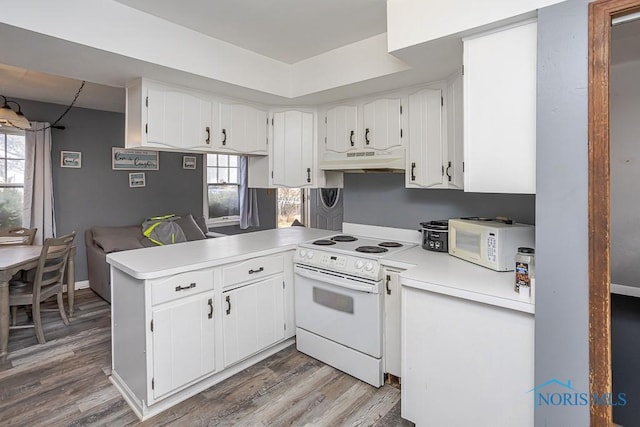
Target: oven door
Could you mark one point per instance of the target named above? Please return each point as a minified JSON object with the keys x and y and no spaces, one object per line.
{"x":342,"y":309}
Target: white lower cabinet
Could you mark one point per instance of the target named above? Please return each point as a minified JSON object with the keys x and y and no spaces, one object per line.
{"x":460,"y":352}
{"x":253,"y":318}
{"x":175,"y":336}
{"x":183,"y":342}
{"x":392,"y":330}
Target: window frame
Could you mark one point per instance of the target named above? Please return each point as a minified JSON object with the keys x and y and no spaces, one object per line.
{"x":13,"y":131}
{"x":222,"y":221}
{"x":304,"y":210}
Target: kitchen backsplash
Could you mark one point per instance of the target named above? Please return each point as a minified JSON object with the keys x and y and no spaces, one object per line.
{"x":381,"y":199}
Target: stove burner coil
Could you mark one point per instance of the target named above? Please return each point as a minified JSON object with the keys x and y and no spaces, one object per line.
{"x":324,"y":242}
{"x":371,"y":249}
{"x":390,"y":245}
{"x":343,"y":238}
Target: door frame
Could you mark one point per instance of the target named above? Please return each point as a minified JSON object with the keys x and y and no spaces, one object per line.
{"x":601,"y":13}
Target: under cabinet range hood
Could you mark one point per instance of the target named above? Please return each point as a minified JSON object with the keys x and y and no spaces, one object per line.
{"x":392,"y":160}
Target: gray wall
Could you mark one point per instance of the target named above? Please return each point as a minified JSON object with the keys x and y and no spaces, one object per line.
{"x":562,"y":297}
{"x":97,"y":195}
{"x":381,"y":199}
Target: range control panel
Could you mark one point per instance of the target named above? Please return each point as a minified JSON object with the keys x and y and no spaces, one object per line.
{"x":346,"y":264}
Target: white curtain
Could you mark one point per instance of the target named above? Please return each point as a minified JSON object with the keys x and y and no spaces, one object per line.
{"x":248,"y":198}
{"x":38,"y":182}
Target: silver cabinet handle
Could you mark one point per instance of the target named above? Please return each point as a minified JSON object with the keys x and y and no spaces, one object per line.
{"x":210,"y":302}
{"x":260,"y":270}
{"x":228,"y":300}
{"x":184,"y":288}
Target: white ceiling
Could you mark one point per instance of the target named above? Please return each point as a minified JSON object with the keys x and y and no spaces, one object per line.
{"x":26,"y":84}
{"x":286,"y":30}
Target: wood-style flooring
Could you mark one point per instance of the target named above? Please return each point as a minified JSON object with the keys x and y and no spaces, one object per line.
{"x":65,"y":383}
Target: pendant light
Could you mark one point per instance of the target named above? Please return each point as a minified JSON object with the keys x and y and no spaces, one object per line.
{"x":8,"y":117}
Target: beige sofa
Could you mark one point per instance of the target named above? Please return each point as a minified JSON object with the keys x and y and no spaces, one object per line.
{"x":101,"y":241}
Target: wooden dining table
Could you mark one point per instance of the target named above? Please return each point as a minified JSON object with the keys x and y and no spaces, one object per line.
{"x":14,"y":258}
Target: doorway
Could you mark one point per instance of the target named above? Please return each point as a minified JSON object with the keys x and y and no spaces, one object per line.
{"x":601,"y":14}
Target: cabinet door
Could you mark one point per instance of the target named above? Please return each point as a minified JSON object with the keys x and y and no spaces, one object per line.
{"x":382,"y":124}
{"x":253,"y":318}
{"x":243,"y":129}
{"x":449,"y":341}
{"x":183,"y":342}
{"x":200,"y":123}
{"x":164,"y":118}
{"x":392,"y":331}
{"x":425,"y":159}
{"x":454,"y":164}
{"x":500,"y":110}
{"x":293,"y":149}
{"x":341,"y":124}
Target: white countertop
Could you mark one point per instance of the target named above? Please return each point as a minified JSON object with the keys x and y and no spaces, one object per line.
{"x":150,"y":263}
{"x":448,"y":275}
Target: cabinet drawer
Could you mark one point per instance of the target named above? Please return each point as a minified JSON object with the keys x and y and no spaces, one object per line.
{"x":181,"y":285}
{"x":254,"y":268}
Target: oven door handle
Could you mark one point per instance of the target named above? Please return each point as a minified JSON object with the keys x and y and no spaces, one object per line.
{"x":345,"y":283}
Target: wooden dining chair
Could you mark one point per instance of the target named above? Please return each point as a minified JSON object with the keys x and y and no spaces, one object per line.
{"x":47,"y":281}
{"x":14,"y":236}
{"x":17,"y":236}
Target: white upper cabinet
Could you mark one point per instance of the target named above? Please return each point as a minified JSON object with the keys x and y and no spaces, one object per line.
{"x":243,"y":129}
{"x":373,"y":124}
{"x":454,"y":167}
{"x":163,"y":117}
{"x":382,"y":125}
{"x":342,"y":128}
{"x":434,"y":158}
{"x":293,"y":159}
{"x":500,"y":110}
{"x":293,"y":142}
{"x":425,"y":160}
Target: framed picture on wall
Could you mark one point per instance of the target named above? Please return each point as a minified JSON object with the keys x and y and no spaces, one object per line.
{"x":70,"y":159}
{"x":122,"y":159}
{"x":136,"y":179}
{"x":188,"y":162}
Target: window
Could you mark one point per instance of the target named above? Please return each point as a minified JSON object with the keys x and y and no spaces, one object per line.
{"x":290,"y":206}
{"x":223,"y":188}
{"x":12,"y":154}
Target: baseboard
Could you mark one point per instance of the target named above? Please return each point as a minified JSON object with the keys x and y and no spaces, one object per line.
{"x":82,"y":284}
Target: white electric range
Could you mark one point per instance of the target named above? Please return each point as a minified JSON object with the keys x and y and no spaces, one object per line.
{"x":338,"y":301}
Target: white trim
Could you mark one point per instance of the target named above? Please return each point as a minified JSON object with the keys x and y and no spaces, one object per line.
{"x":214,"y":234}
{"x":630,"y":291}
{"x":82,"y":284}
{"x":223,"y":222}
{"x":626,"y":18}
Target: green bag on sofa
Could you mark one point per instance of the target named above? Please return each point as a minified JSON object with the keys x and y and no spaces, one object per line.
{"x":162,"y":230}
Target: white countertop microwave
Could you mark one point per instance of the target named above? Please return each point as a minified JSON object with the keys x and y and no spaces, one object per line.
{"x":490,"y":243}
